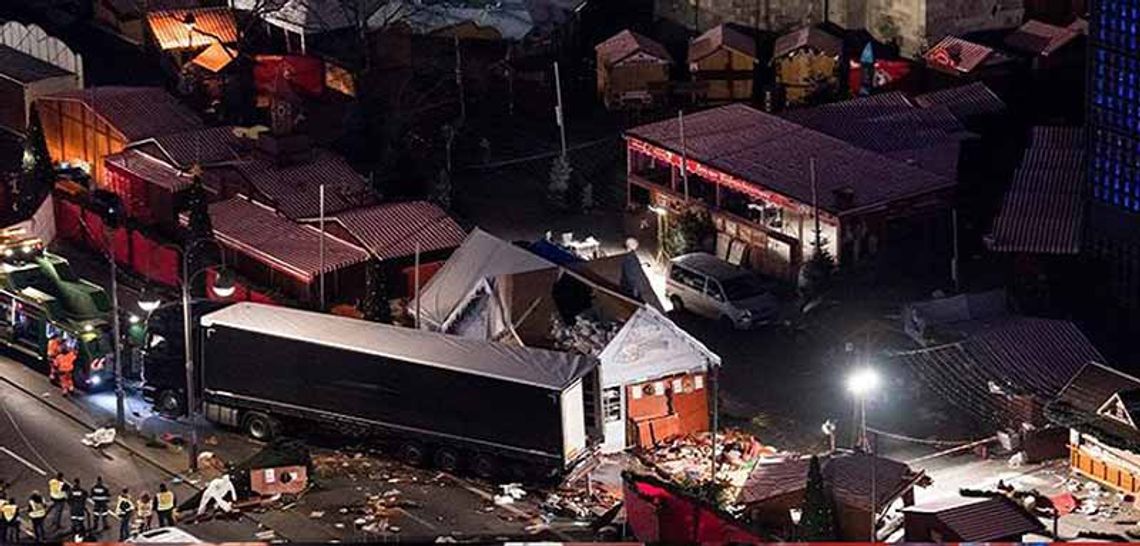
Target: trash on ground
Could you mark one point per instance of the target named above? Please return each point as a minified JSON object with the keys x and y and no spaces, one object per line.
{"x":99,"y":437}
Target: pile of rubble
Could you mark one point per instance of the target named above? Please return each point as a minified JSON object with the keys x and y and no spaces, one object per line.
{"x":585,"y":503}
{"x":688,"y":459}
{"x":586,"y":336}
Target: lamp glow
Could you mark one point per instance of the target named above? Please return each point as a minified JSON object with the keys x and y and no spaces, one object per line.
{"x":862,"y":382}
{"x":224,"y":284}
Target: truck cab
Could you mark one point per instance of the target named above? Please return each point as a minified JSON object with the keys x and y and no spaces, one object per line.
{"x":42,"y":301}
{"x":164,"y":357}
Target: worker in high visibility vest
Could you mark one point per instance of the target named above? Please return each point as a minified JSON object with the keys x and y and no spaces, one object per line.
{"x":145,"y":511}
{"x":125,"y":511}
{"x":37,"y":511}
{"x":65,"y":365}
{"x":57,"y":494}
{"x":10,"y":518}
{"x":164,"y":505}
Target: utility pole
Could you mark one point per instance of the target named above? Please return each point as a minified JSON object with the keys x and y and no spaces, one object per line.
{"x":417,"y":284}
{"x":459,"y":81}
{"x":815,"y":206}
{"x":954,"y":259}
{"x":120,"y":395}
{"x":321,"y":249}
{"x":684,"y":153}
{"x":874,"y":498}
{"x":558,"y":116}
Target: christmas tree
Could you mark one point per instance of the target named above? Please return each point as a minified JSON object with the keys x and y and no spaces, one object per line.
{"x":375,"y":306}
{"x":37,"y":175}
{"x":818,"y":519}
{"x":560,"y":172}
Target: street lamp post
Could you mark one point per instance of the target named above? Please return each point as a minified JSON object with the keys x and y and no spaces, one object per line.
{"x":224,"y":288}
{"x":661,"y":213}
{"x":862,"y":383}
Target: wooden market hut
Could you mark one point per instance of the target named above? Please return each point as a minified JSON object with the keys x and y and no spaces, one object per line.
{"x":722,"y":63}
{"x":631,"y":69}
{"x":807,"y":63}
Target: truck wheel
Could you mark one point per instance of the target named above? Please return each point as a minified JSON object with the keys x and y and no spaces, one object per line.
{"x":446,"y":459}
{"x":484,"y":466}
{"x":260,"y":426}
{"x":169,"y":404}
{"x":412,"y":454}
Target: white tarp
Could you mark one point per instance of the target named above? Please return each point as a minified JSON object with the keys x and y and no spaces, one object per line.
{"x":536,"y":367}
{"x":650,"y":346}
{"x":481,"y":255}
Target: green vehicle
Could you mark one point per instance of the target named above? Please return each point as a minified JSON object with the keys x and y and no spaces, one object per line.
{"x":42,"y":300}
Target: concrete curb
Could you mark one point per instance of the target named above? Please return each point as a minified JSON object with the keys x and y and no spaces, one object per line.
{"x":145,"y":457}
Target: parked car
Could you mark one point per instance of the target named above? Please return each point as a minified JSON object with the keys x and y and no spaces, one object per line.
{"x":165,"y":535}
{"x":713,"y":288}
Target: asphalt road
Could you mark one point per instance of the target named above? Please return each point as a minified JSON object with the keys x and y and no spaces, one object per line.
{"x":36,"y":441}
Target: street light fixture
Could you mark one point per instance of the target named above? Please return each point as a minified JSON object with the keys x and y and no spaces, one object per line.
{"x":223,"y":287}
{"x":862,"y":383}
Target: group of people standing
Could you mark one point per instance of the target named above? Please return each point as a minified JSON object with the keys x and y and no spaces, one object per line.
{"x":85,"y":522}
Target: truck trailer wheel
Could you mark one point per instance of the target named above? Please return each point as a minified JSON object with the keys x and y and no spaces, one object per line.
{"x":484,"y":466}
{"x":169,"y":404}
{"x":260,"y":426}
{"x":446,"y":459}
{"x":412,"y":454}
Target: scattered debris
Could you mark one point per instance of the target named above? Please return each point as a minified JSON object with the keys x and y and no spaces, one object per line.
{"x":316,"y":514}
{"x":586,"y":336}
{"x":99,"y":437}
{"x":268,"y":534}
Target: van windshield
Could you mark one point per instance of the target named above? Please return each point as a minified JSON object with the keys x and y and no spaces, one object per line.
{"x":743,"y":287}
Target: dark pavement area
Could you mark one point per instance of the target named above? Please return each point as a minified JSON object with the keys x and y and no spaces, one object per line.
{"x":44,"y":431}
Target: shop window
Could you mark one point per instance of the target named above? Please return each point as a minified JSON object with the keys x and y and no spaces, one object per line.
{"x":611,"y":404}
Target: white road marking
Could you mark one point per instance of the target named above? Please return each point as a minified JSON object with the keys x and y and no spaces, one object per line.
{"x":23,"y":461}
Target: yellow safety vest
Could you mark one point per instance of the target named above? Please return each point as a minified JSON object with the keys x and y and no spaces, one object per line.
{"x":55,"y":489}
{"x":165,"y":501}
{"x":120,"y":509}
{"x":9,"y":512}
{"x":36,"y":510}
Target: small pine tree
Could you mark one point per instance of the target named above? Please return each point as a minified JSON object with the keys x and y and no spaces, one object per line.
{"x":441,"y":191}
{"x":817,"y":524}
{"x":815,"y":277}
{"x":37,"y":175}
{"x":587,"y":197}
{"x":375,"y":306}
{"x":198,"y":208}
{"x":560,"y":172}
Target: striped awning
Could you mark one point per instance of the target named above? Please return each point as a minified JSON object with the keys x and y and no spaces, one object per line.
{"x":264,"y":235}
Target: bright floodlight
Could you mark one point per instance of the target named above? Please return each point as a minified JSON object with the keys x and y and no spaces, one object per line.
{"x":862,"y":382}
{"x":224,"y":285}
{"x":149,"y":302}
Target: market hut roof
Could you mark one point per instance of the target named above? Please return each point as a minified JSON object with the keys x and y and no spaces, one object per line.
{"x":846,"y":475}
{"x":294,"y":189}
{"x":23,"y":69}
{"x":725,"y":35}
{"x":811,"y":37}
{"x":956,"y":55}
{"x":150,"y":169}
{"x":1043,"y":209}
{"x":1040,"y":38}
{"x":391,"y":230}
{"x":211,"y":25}
{"x":1080,"y":405}
{"x":773,"y":154}
{"x":136,"y":112}
{"x":982,"y":519}
{"x":261,"y":233}
{"x":627,"y":43}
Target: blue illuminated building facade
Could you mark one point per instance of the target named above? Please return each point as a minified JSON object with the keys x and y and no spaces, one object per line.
{"x":1113,"y":229}
{"x":1114,"y":109}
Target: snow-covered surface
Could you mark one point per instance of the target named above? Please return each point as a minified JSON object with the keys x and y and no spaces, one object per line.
{"x":650,"y":346}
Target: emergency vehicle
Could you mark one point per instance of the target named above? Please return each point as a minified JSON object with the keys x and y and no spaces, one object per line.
{"x":44,"y":304}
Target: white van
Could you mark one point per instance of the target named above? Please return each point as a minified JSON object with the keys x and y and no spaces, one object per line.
{"x":713,"y":288}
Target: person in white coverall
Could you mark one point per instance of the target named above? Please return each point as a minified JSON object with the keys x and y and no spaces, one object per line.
{"x":217,"y":491}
